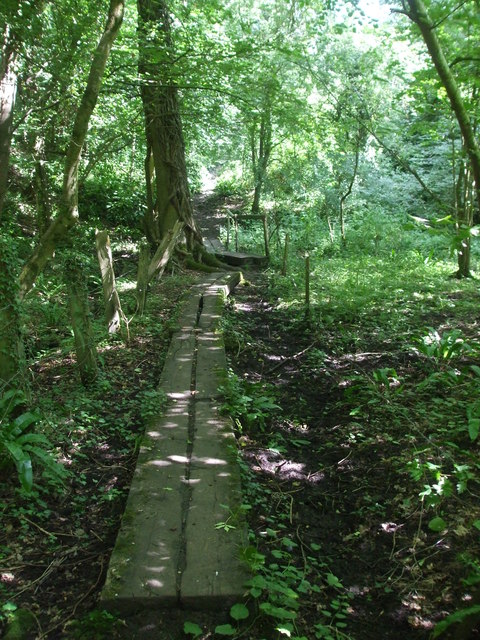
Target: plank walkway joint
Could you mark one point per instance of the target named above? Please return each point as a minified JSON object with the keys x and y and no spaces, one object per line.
{"x":170,"y":550}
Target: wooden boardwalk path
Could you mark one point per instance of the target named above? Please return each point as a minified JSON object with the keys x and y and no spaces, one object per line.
{"x":171,"y":549}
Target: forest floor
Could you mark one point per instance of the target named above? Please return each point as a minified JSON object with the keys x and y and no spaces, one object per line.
{"x":341,"y":422}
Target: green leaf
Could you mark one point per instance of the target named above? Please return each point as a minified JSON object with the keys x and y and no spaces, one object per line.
{"x":25,"y":474}
{"x":225,"y":630}
{"x":15,"y":451}
{"x":277,"y":612}
{"x":473,"y":428}
{"x":239,"y":612}
{"x":192,"y":629}
{"x":333,"y":581}
{"x":476,"y":524}
{"x":26,"y":419}
{"x":437,"y":524}
{"x":458,"y":616}
{"x":257,"y":581}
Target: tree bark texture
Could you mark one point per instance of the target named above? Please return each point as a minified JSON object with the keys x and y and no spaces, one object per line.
{"x":8,"y":92}
{"x":80,"y":318}
{"x":164,"y":251}
{"x":113,"y":309}
{"x":419,"y":14}
{"x":10,"y":335}
{"x":168,"y":195}
{"x":68,"y":214}
{"x":464,"y":207}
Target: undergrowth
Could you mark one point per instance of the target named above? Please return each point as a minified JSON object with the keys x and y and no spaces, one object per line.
{"x":393,"y":341}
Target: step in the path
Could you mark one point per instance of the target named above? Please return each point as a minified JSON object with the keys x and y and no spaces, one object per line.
{"x":234,"y":258}
{"x":170,"y":550}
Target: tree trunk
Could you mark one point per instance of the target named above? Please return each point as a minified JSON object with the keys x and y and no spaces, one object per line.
{"x":419,"y":14}
{"x":346,"y":195}
{"x":266,"y":237}
{"x":113,"y":309}
{"x":68,"y":214}
{"x":261,"y":155}
{"x":142,"y":277}
{"x":41,"y":188}
{"x":285,"y":255}
{"x":168,"y":195}
{"x":8,"y":91}
{"x":464,"y":208}
{"x":80,"y":318}
{"x":10,"y":336}
{"x":164,"y":251}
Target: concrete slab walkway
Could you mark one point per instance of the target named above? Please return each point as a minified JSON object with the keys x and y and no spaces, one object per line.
{"x":171,"y":549}
{"x":234,"y":258}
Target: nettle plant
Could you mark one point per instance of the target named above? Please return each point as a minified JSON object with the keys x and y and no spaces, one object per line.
{"x":21,"y":447}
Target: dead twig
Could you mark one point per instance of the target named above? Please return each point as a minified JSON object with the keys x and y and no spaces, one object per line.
{"x":285,"y":360}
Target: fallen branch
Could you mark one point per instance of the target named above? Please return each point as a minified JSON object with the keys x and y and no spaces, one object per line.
{"x":285,"y":360}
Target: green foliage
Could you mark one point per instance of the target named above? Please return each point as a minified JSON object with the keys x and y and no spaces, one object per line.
{"x":152,"y":403}
{"x":21,"y":446}
{"x":96,"y":624}
{"x":447,"y":346}
{"x":453,"y":618}
{"x":110,"y":199}
{"x":248,"y":404}
{"x":192,"y":629}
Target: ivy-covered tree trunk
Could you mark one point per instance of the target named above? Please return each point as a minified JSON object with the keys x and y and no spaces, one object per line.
{"x":85,"y":349}
{"x":10,"y":336}
{"x":113,"y":308}
{"x":68,"y":215}
{"x":168,"y":195}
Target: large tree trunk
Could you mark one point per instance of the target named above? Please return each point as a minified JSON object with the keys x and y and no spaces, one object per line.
{"x":168,"y":196}
{"x":68,"y":214}
{"x":419,"y":14}
{"x":8,"y":91}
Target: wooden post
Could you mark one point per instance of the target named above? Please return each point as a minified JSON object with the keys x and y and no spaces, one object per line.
{"x":228,"y":230}
{"x":285,"y":255}
{"x":307,"y":283}
{"x":113,"y":309}
{"x":236,"y":232}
